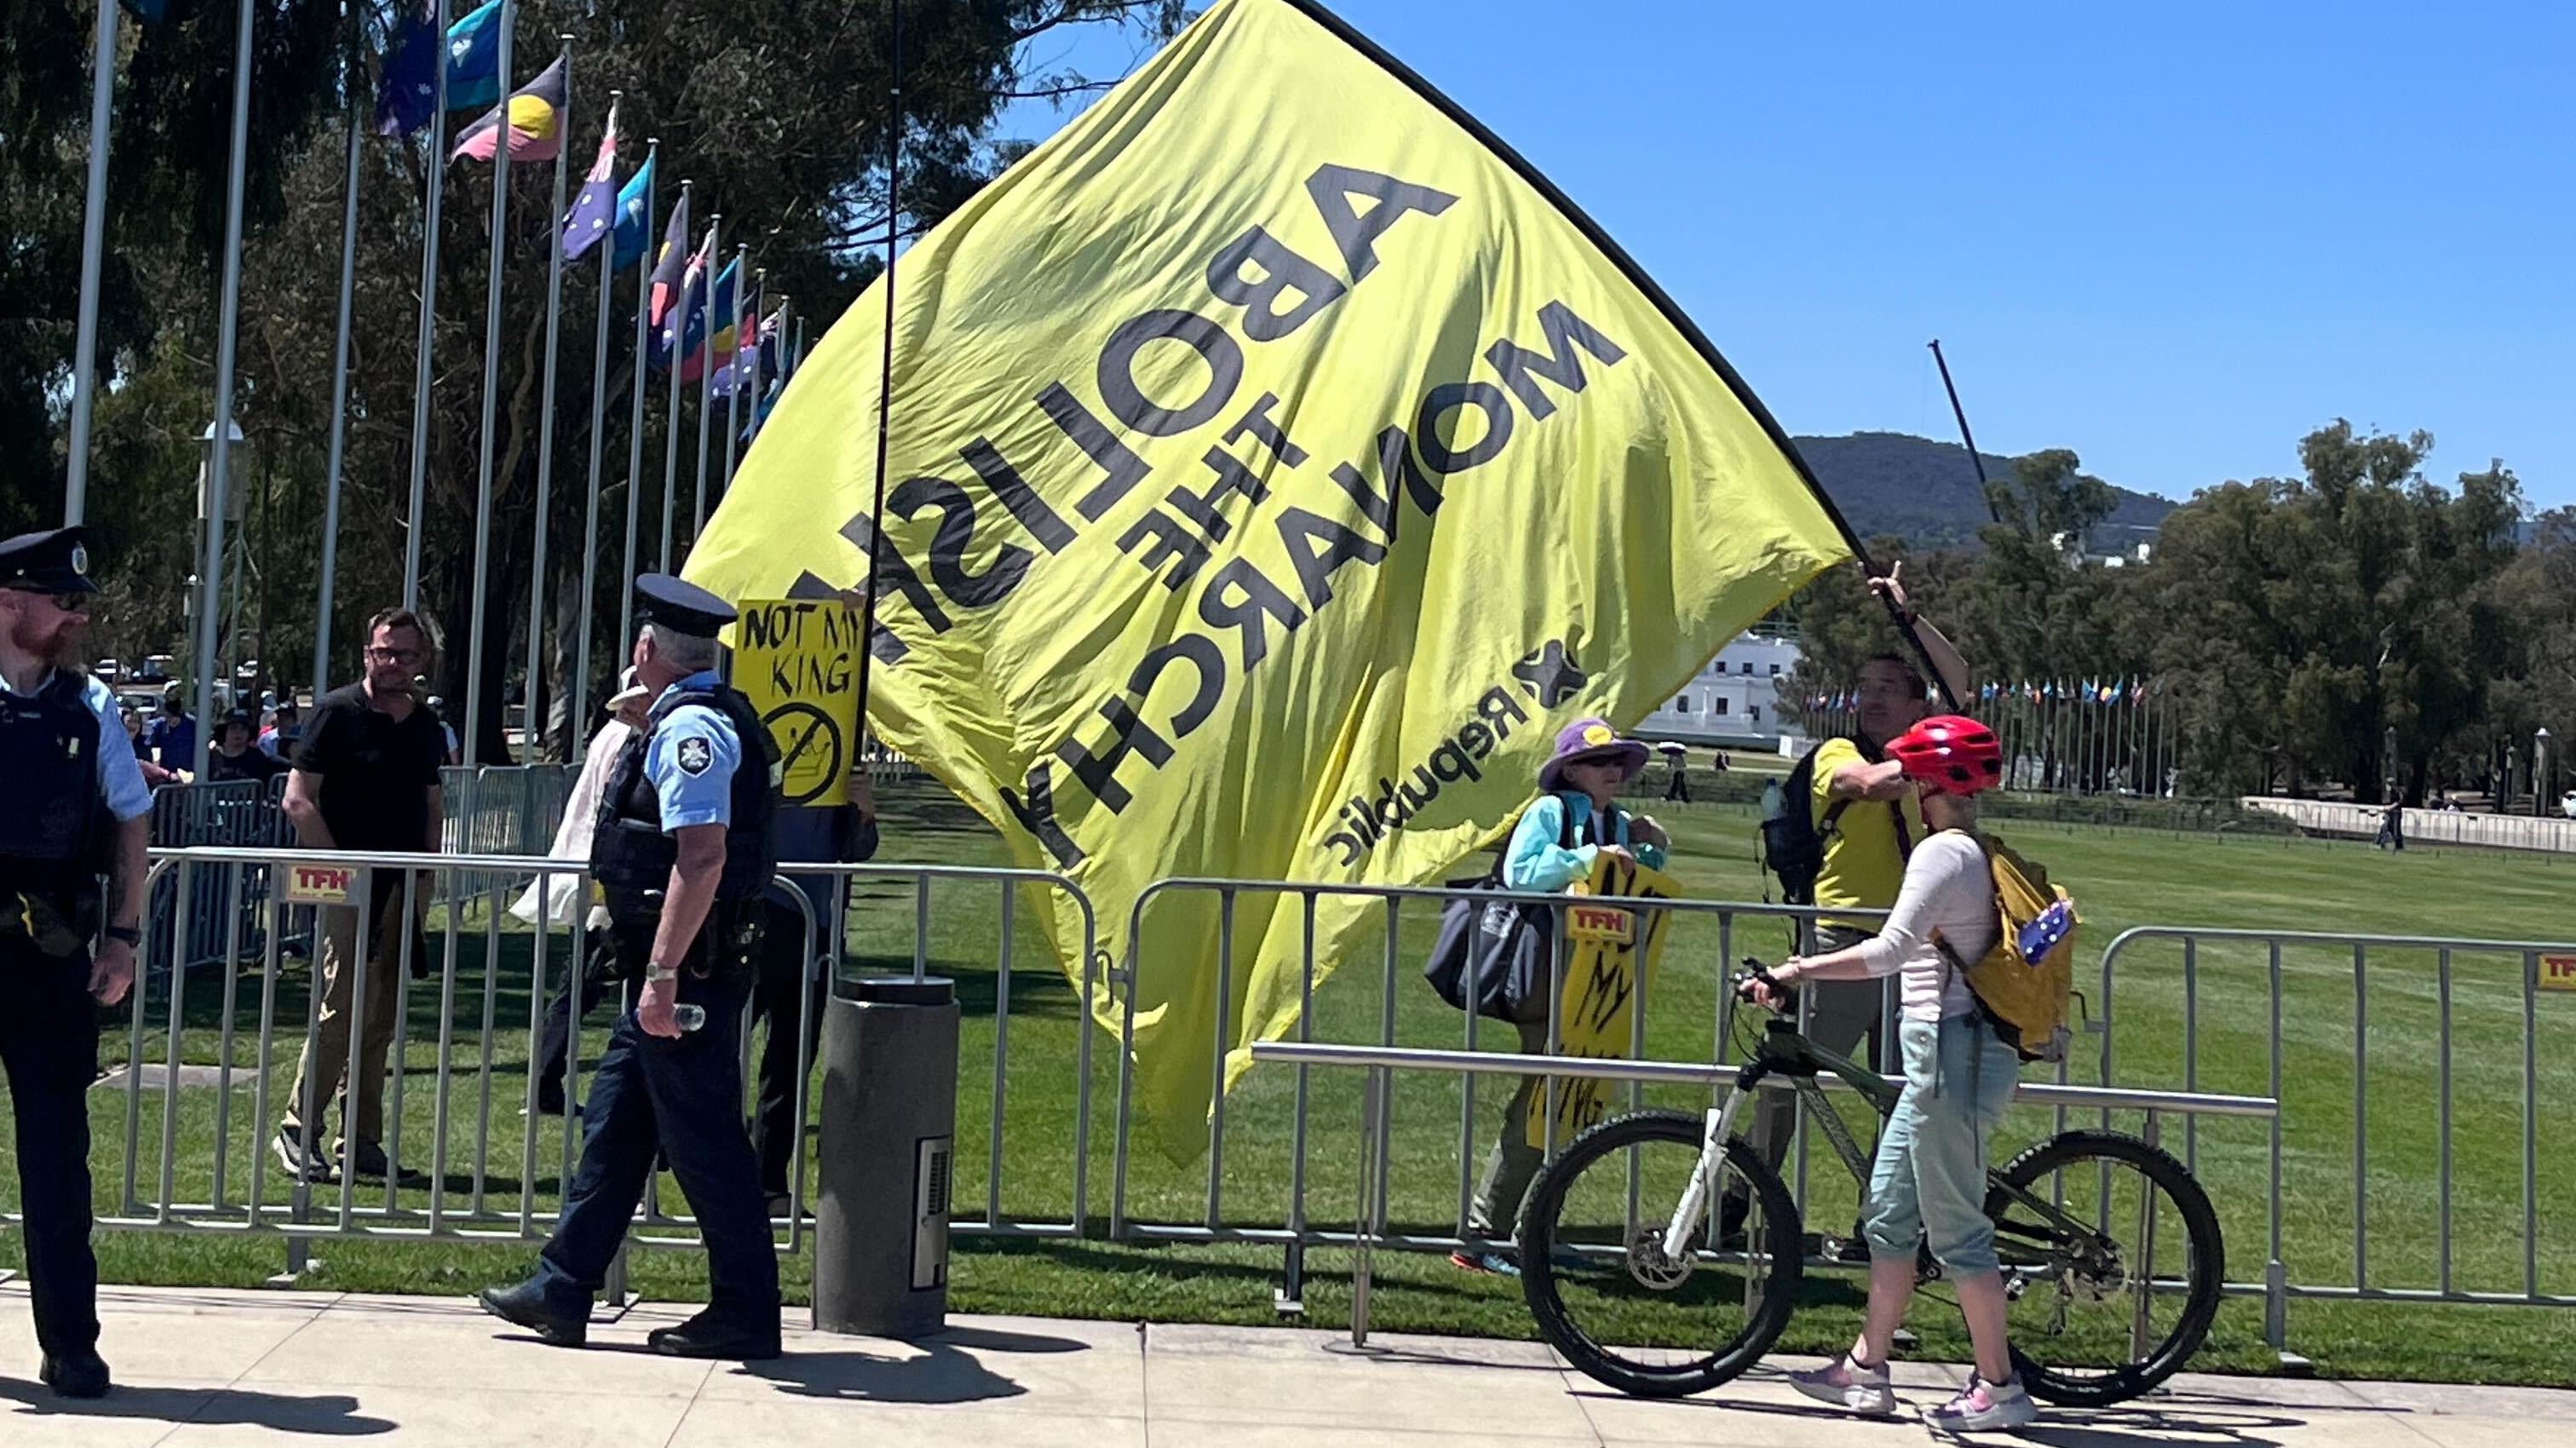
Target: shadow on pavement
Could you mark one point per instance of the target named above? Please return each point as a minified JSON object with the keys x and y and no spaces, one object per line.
{"x":328,"y":1415}
{"x":2140,"y":1427}
{"x":942,"y":1371}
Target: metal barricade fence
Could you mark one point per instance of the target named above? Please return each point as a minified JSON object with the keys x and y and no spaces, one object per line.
{"x":241,"y":813}
{"x":2292,"y":1008}
{"x":489,"y":1176}
{"x":1730,"y":923}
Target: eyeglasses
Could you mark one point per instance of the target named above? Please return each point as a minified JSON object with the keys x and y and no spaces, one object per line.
{"x":394,"y":656}
{"x":63,"y":602}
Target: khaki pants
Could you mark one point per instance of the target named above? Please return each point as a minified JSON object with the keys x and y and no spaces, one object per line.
{"x":393,"y":912}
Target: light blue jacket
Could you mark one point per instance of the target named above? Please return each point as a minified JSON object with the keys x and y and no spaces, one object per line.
{"x":1535,"y":861}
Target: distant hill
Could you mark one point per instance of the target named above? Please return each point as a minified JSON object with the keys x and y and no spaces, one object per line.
{"x":1925,"y":491}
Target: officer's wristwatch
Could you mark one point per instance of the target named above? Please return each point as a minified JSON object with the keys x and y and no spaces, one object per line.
{"x":657,"y":973}
{"x":124,"y":935}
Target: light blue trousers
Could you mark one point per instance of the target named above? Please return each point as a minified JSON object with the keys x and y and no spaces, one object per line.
{"x":1929,"y":1182}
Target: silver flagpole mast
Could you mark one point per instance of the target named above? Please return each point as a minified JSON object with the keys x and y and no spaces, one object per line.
{"x":412,"y":520}
{"x":671,"y":416}
{"x":491,"y":388}
{"x":531,"y":739}
{"x":733,"y":394}
{"x":706,"y":370}
{"x":227,"y":350}
{"x":339,"y":369}
{"x":102,"y":113}
{"x":635,"y":391}
{"x":577,"y":721}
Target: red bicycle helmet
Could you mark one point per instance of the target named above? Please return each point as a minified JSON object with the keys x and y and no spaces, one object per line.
{"x":1949,"y":754}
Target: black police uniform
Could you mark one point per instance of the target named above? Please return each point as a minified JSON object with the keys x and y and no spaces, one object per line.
{"x":56,"y":838}
{"x":681,"y":1096}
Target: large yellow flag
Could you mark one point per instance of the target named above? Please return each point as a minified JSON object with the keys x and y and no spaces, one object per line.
{"x":1278,"y":462}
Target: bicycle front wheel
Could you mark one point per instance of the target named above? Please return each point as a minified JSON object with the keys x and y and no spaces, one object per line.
{"x":2112,"y":1261}
{"x":1651,"y":1318}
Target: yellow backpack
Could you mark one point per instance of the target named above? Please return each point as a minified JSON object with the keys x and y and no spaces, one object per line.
{"x":2025,"y":982}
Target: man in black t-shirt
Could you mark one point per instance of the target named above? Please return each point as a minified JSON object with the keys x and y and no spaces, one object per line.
{"x":366,"y":778}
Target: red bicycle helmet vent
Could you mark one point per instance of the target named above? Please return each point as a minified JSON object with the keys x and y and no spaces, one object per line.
{"x":1949,"y":754}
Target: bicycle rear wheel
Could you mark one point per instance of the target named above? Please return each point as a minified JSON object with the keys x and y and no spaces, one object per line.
{"x":1650,"y":1322}
{"x":2113,"y":1304}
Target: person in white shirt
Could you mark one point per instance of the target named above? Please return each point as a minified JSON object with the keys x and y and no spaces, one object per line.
{"x":1929,"y":1181}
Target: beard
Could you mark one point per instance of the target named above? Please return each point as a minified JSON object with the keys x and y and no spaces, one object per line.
{"x":58,"y":645}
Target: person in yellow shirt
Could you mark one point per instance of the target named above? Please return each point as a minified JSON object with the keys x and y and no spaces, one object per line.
{"x":1864,"y":810}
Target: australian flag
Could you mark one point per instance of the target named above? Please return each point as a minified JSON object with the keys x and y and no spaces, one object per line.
{"x":407,"y":89}
{"x":594,"y":211}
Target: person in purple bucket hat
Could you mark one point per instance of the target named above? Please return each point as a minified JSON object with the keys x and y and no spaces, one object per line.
{"x":1559,"y":838}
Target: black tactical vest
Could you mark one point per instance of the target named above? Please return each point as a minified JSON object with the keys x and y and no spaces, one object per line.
{"x":49,"y":834}
{"x":630,"y":853}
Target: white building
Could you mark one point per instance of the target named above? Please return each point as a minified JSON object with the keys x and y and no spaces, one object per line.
{"x":1735,"y":701}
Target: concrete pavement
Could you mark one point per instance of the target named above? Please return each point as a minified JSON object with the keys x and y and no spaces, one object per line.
{"x":219,"y":1368}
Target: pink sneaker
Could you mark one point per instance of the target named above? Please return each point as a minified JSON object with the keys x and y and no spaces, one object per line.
{"x":1984,"y":1407}
{"x":1849,"y":1386}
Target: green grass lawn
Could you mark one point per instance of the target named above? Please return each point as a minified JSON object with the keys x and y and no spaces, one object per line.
{"x":486,"y":1170}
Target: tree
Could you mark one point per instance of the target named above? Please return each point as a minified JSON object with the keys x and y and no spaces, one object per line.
{"x":776,"y":109}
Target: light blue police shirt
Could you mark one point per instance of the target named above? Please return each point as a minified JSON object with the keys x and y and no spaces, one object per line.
{"x":120,"y":778}
{"x":691,"y":759}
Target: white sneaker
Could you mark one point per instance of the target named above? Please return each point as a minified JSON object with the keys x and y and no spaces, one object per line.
{"x":1849,"y":1386}
{"x":1984,"y":1407}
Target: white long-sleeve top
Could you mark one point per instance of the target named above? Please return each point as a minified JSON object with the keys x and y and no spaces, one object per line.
{"x":1948,"y":888}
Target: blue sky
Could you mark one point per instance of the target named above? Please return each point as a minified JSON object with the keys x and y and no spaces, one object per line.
{"x":2172,"y":237}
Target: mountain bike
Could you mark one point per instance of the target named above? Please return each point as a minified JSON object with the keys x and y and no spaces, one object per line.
{"x":1645,"y":1275}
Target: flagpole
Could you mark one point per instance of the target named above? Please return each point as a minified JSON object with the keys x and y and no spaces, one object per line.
{"x":578,"y":719}
{"x":733,"y":392}
{"x":412,"y":521}
{"x":530,"y":739}
{"x":706,"y":368}
{"x":635,"y":393}
{"x":671,"y":417}
{"x":339,"y":367}
{"x":102,"y":112}
{"x":885,"y":371}
{"x":491,"y":399}
{"x":227,"y":351}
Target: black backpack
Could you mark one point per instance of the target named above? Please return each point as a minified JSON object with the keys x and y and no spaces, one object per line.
{"x":1792,"y":844}
{"x":1495,"y":957}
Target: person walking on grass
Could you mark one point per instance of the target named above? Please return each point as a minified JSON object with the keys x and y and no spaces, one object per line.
{"x":1554,"y":847}
{"x":1929,"y":1179}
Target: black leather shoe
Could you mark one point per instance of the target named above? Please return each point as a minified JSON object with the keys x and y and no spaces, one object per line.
{"x":709,"y":1336}
{"x":75,"y":1375}
{"x":525,"y":1306}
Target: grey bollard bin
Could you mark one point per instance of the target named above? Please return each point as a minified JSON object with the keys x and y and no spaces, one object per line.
{"x":889,"y":1124}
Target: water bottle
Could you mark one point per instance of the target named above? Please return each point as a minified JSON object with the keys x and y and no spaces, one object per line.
{"x":689,"y":1016}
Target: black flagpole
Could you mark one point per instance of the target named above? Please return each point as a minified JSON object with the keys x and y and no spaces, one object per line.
{"x":885,"y":374}
{"x":1993,"y":514}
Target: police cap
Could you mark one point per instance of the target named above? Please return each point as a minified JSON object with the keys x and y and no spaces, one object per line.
{"x":56,"y":561}
{"x":680,"y":606}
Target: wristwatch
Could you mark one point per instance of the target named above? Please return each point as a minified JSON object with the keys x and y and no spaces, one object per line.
{"x":657,"y":973}
{"x":125,"y":935}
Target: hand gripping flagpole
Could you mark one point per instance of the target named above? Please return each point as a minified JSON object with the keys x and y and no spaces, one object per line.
{"x":577,"y":722}
{"x":412,"y":520}
{"x":885,"y":373}
{"x":473,"y":732}
{"x":350,"y":71}
{"x":531,"y":738}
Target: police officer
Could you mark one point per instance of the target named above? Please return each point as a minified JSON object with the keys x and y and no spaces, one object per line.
{"x":76,"y":808}
{"x":683,"y":851}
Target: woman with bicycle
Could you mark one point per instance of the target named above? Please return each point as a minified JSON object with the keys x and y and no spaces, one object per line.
{"x":1929,"y":1180}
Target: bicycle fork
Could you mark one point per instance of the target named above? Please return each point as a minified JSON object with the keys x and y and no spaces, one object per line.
{"x":1708,"y":1184}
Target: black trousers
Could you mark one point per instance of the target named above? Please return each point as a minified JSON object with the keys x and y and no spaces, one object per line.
{"x":788,"y":992}
{"x":49,"y":1047}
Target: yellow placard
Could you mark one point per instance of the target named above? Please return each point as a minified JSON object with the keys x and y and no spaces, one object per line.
{"x":797,"y":661}
{"x":1611,"y":953}
{"x":1277,"y":463}
{"x":2558,"y":972}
